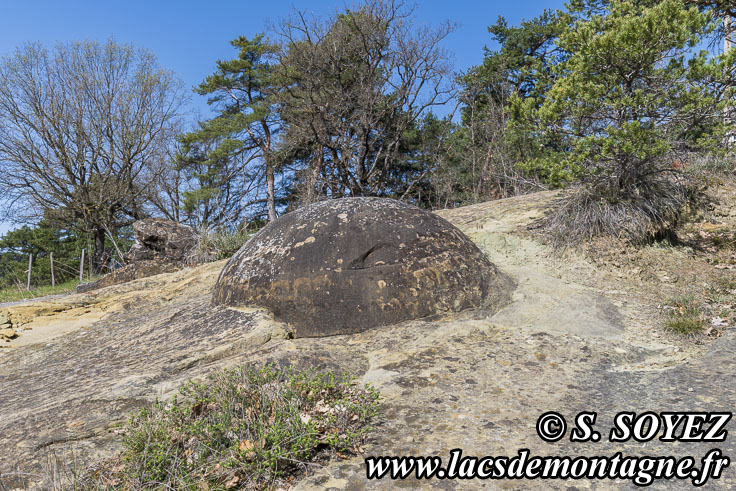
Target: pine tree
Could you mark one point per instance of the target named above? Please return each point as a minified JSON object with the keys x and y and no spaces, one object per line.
{"x":635,"y":96}
{"x":225,"y":147}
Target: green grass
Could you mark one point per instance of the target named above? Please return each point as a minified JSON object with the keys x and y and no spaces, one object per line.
{"x":244,"y":428}
{"x":685,"y":315}
{"x":685,"y":325}
{"x":14,"y":294}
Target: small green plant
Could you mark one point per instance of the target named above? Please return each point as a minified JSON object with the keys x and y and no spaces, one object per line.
{"x":685,"y":315}
{"x":243,"y":428}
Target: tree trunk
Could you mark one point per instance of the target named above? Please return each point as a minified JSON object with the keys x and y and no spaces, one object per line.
{"x":271,"y":198}
{"x":317,"y":167}
{"x":98,"y":258}
{"x":727,"y":34}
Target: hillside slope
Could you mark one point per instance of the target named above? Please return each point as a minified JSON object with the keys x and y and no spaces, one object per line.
{"x":579,"y":334}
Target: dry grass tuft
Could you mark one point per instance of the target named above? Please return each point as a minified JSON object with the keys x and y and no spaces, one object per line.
{"x":585,"y":214}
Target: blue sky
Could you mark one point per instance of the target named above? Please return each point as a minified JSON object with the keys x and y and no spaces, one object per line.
{"x":189,"y":36}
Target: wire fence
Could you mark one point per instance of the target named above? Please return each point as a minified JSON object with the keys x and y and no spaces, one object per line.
{"x":51,"y":271}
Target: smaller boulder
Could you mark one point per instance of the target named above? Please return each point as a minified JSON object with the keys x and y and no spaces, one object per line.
{"x":159,"y":239}
{"x":161,"y":246}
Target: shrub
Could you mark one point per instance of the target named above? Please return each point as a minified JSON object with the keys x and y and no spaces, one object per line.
{"x":221,"y":244}
{"x":227,"y":244}
{"x":710,"y":165}
{"x":245,"y":427}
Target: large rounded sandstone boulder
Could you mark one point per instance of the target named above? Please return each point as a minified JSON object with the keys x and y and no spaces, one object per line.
{"x":346,"y":265}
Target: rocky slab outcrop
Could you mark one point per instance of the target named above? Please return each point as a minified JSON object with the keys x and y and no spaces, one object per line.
{"x":130,"y":272}
{"x":474,"y":380}
{"x":346,"y":265}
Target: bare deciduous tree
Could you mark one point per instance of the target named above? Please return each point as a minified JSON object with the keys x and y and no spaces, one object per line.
{"x":480,"y":146}
{"x":81,"y":127}
{"x":353,"y":85}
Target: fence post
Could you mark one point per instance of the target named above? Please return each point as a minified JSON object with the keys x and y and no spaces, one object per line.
{"x":53,"y":280}
{"x":30,"y":264}
{"x":81,"y":267}
{"x":90,"y":266}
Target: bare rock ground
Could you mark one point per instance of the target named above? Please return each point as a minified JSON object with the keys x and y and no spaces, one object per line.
{"x":576,"y":336}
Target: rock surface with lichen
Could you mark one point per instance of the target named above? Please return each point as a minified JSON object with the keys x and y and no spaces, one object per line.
{"x":160,"y":239}
{"x":576,"y":336}
{"x":346,"y":265}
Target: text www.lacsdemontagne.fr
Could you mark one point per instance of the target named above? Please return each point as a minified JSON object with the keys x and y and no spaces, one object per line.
{"x":641,"y":470}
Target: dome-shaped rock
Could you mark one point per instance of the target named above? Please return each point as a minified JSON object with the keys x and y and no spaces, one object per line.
{"x":346,"y":265}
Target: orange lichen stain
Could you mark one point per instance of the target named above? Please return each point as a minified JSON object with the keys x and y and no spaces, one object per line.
{"x":297,"y":286}
{"x":321,"y":282}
